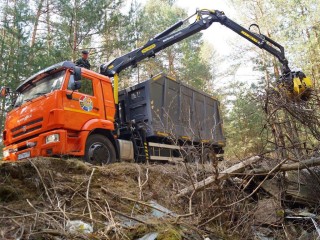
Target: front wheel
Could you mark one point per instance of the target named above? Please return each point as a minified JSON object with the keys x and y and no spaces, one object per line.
{"x":99,"y":150}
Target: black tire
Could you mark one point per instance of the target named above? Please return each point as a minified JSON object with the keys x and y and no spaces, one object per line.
{"x":208,"y":156}
{"x":99,"y":150}
{"x":190,"y":154}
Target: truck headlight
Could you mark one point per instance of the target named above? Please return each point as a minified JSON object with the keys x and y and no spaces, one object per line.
{"x":6,"y":153}
{"x":53,"y":138}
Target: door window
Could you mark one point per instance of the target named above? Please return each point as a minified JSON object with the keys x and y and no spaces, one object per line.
{"x":86,"y":85}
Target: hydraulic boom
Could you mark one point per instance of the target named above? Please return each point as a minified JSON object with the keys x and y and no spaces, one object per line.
{"x":296,"y":84}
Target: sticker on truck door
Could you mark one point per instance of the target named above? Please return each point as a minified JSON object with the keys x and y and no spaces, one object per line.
{"x":86,"y":103}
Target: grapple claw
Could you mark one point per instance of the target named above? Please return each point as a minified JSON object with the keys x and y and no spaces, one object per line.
{"x":296,"y":85}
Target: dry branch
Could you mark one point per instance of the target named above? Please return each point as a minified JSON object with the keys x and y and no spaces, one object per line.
{"x":274,"y":169}
{"x":87,"y":193}
{"x":222,"y":176}
{"x":238,"y":168}
{"x":42,"y":181}
{"x":211,"y":219}
{"x":313,"y":162}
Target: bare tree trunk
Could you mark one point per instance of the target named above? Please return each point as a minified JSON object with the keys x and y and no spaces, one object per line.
{"x":4,"y":31}
{"x":12,"y":40}
{"x":48,"y":26}
{"x":293,"y":135}
{"x":276,"y":70}
{"x":75,"y":27}
{"x":171,"y":63}
{"x":4,"y":19}
{"x":9,"y":62}
{"x":312,"y":162}
{"x":279,"y":136}
{"x":36,"y":22}
{"x":225,"y":174}
{"x":273,"y":116}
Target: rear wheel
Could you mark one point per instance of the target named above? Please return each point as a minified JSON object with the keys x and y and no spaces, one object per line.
{"x":190,"y":154}
{"x":208,"y":156}
{"x":99,"y":150}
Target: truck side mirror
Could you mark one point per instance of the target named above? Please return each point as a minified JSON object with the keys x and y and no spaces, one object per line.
{"x":77,"y":73}
{"x":75,"y":85}
{"x":5,"y":91}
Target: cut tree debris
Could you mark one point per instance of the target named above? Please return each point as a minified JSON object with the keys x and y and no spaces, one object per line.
{"x":52,"y":198}
{"x":313,"y":162}
{"x":239,"y":167}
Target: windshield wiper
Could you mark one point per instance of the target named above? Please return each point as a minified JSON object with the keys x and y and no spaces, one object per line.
{"x":28,"y":99}
{"x":40,"y":93}
{"x":34,"y":96}
{"x":17,"y":105}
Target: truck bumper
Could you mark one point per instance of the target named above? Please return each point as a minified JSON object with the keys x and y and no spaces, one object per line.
{"x":38,"y":146}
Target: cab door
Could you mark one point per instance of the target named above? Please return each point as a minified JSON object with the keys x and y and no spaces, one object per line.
{"x":84,"y":103}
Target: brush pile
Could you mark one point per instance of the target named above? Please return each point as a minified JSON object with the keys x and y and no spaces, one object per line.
{"x":257,"y":198}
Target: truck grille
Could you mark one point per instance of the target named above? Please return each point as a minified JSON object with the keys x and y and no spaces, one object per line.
{"x":26,"y":128}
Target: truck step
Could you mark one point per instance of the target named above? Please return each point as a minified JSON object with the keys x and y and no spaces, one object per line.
{"x":169,"y":159}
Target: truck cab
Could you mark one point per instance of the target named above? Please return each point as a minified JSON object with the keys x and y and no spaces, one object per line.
{"x":54,"y":116}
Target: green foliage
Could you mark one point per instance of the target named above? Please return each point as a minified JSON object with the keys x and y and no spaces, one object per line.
{"x":62,"y":28}
{"x":198,"y":64}
{"x":244,"y":123}
{"x":184,"y":60}
{"x":294,"y":24}
{"x":36,"y":34}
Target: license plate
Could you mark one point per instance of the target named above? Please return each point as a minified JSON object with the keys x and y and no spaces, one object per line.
{"x":24,"y":155}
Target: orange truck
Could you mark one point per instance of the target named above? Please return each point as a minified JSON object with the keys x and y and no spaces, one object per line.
{"x":49,"y":118}
{"x":66,"y":110}
{"x":69,"y":110}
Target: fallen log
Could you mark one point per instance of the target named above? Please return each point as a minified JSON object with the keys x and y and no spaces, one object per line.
{"x":312,"y":162}
{"x":222,"y":176}
{"x":238,"y":168}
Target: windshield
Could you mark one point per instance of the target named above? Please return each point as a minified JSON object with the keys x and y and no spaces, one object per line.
{"x":41,"y":87}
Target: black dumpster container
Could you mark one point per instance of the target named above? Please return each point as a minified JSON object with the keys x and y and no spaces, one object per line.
{"x":171,"y":108}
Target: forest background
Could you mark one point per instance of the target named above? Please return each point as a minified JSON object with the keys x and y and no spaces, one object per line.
{"x":36,"y":34}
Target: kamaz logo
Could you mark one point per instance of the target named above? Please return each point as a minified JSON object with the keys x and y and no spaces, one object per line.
{"x":25,"y":118}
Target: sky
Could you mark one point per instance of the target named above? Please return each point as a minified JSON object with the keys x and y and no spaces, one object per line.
{"x":211,"y":34}
{"x":220,"y":37}
{"x":216,"y":34}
